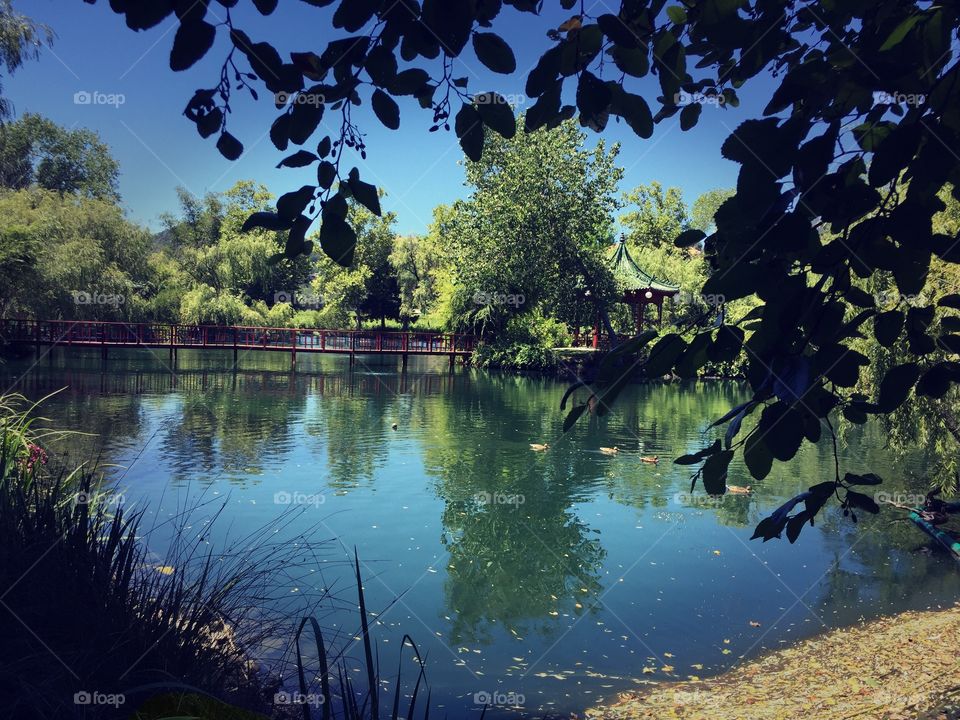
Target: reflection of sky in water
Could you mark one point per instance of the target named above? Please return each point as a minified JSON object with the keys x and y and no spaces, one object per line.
{"x":584,"y":568}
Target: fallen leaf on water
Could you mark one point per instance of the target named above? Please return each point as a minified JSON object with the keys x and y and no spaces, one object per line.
{"x":164,"y":569}
{"x":754,"y":623}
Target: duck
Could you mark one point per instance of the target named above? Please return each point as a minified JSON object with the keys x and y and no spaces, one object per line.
{"x":394,"y":426}
{"x":610,"y":450}
{"x":538,"y":447}
{"x":653,"y":460}
{"x":737,"y":490}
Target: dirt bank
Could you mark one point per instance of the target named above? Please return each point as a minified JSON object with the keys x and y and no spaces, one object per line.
{"x":894,"y":668}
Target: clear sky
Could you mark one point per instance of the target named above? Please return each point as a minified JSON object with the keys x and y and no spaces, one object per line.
{"x":159,"y":149}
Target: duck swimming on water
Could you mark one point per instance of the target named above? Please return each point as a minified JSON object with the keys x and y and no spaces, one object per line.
{"x":610,"y":450}
{"x":653,"y":460}
{"x":538,"y":447}
{"x":737,"y":490}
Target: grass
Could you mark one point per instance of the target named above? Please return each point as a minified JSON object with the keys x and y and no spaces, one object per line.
{"x":88,"y":612}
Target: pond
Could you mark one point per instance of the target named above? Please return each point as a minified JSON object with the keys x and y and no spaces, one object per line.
{"x":557,"y":578}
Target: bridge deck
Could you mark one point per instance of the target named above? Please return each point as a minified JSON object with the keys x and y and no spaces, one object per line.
{"x":83,"y":333}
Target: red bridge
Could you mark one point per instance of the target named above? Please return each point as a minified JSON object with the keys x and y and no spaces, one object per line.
{"x":104,"y":335}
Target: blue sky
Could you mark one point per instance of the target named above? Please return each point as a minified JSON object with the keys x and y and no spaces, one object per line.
{"x":159,"y":149}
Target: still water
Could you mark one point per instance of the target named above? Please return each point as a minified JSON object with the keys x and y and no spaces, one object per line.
{"x":556,"y":579}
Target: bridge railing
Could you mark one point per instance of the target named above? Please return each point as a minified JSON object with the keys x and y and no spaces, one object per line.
{"x":84,"y":332}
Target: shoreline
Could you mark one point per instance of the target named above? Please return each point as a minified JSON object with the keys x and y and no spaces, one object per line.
{"x":895,"y":667}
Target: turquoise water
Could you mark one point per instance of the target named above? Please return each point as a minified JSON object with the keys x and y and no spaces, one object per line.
{"x":549,"y":578}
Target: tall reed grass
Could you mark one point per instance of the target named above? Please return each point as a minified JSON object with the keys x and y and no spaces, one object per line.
{"x":88,"y":613}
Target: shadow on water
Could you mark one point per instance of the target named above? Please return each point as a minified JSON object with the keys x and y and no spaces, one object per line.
{"x":553,"y":576}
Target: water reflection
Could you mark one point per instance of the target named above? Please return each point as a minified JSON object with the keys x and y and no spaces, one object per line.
{"x":523,"y":566}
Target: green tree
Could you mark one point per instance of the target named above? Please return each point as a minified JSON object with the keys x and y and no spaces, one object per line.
{"x":417,"y":261}
{"x":223,"y":274}
{"x":60,"y":253}
{"x":368,"y":288}
{"x":20,"y":39}
{"x":706,"y":206}
{"x":657,"y":217}
{"x":37,"y":151}
{"x":533,"y":231}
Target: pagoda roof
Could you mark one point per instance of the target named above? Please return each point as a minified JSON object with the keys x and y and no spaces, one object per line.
{"x":634,"y":278}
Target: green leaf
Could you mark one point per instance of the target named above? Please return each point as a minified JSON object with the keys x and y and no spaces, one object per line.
{"x":887,"y":327}
{"x":950,"y":301}
{"x":493,"y":52}
{"x":757,"y":456}
{"x":863,"y":502}
{"x":469,"y":128}
{"x":365,"y":193}
{"x":677,"y":14}
{"x":632,"y":61}
{"x":867,"y":479}
{"x":935,"y":382}
{"x":267,"y":221}
{"x":715,"y":472}
{"x":292,"y":204}
{"x":663,"y":355}
{"x":192,"y":41}
{"x":689,"y":116}
{"x":296,"y":237}
{"x":896,"y":386}
{"x":301,"y":158}
{"x":229,"y":146}
{"x":337,"y":239}
{"x":386,"y":109}
{"x":782,"y":429}
{"x":326,"y":174}
{"x":950,"y":343}
{"x":900,"y":32}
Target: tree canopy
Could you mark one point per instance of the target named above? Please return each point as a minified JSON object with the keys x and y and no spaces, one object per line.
{"x":37,"y":151}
